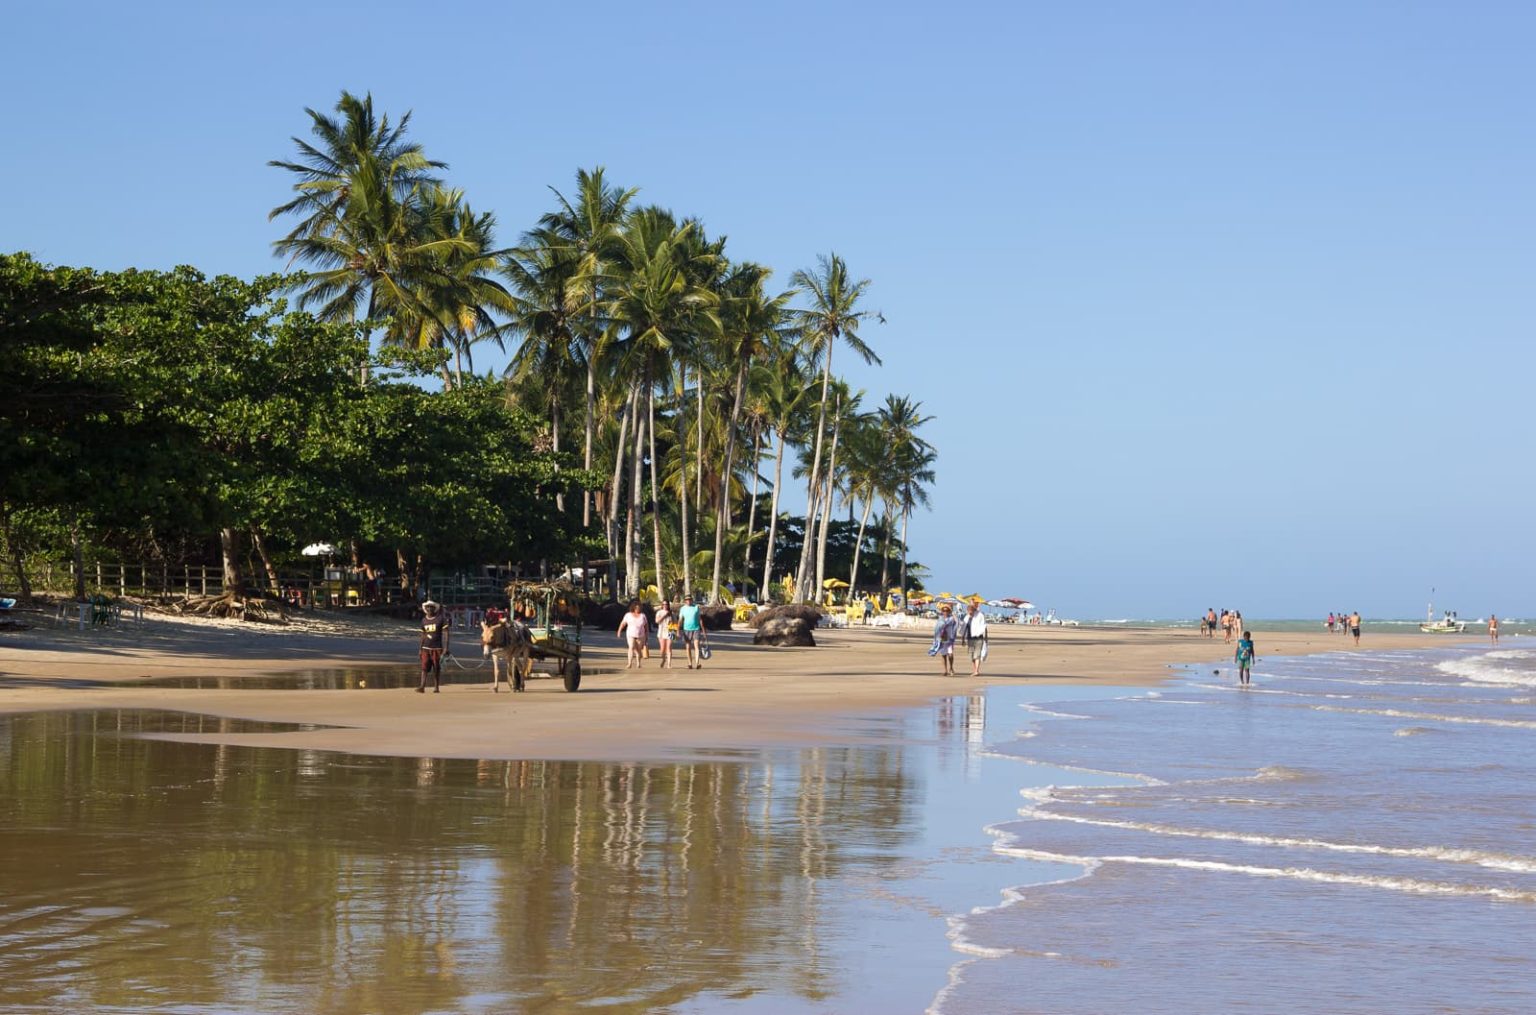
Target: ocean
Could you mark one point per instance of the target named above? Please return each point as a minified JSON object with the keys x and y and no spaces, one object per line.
{"x":1353,"y":833}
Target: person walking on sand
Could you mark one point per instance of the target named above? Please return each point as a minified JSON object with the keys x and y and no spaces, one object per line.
{"x":1493,"y":628}
{"x":1210,"y":622}
{"x":1244,"y":658}
{"x":634,"y":629}
{"x":975,"y":630}
{"x":666,"y":627}
{"x":495,"y":639}
{"x":944,"y":641}
{"x":693,"y":631}
{"x":1330,"y":622}
{"x":435,"y":623}
{"x":1354,"y":625}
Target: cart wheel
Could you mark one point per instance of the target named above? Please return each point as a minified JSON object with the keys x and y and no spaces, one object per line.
{"x":573,"y":676}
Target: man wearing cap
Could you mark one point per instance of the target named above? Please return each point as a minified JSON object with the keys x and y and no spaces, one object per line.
{"x":435,"y":623}
{"x":689,"y":622}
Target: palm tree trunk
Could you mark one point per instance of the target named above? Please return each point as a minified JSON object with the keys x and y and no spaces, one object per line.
{"x":827,"y":501}
{"x":632,"y":520}
{"x":363,"y":368}
{"x":802,"y":574}
{"x":723,"y":516}
{"x":650,"y":426}
{"x":885,"y":548}
{"x":614,"y":489}
{"x":746,"y":553}
{"x":682,"y":479}
{"x":586,"y":456}
{"x":853,"y":572}
{"x":906,"y":512}
{"x":773,"y":518}
{"x":554,"y":435}
{"x":698,"y":472}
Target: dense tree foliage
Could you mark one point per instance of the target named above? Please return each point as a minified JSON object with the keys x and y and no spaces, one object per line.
{"x":157,"y":413}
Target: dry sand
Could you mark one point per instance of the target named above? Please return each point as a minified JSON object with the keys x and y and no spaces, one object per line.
{"x":745,"y":698}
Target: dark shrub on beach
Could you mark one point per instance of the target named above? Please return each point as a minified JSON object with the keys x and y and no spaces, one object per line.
{"x":605,"y":615}
{"x":784,"y":631}
{"x":715,"y":618}
{"x":803,"y":611}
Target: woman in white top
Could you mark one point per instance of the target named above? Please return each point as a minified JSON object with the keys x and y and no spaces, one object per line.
{"x":665,"y":629}
{"x":634,"y":629}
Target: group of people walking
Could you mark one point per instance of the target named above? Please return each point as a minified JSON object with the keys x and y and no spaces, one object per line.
{"x":969,"y":629}
{"x":1346,"y":623}
{"x":1229,"y":622}
{"x":634,"y":629}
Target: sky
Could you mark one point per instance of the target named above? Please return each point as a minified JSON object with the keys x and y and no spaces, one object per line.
{"x":1213,"y":304}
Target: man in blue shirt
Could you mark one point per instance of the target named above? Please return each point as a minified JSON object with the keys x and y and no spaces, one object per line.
{"x":693,"y":631}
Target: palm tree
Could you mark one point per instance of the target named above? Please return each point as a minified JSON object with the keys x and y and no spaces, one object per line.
{"x":549,"y":355}
{"x":866,"y":463}
{"x":845,"y":404}
{"x":832,"y":315}
{"x":356,"y":190}
{"x":752,"y":322}
{"x":784,"y":391}
{"x":587,"y":233}
{"x":656,"y":310}
{"x":456,"y":291}
{"x":912,"y":460}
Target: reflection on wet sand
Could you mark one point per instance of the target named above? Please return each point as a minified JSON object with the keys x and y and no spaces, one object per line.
{"x":136,"y":873}
{"x":339,"y":678}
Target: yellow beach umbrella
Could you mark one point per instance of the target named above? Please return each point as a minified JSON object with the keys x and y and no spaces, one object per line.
{"x":834,"y":583}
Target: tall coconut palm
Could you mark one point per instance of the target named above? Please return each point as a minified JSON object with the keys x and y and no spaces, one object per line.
{"x":752,"y":323}
{"x":832,"y":315}
{"x":456,"y":291}
{"x":587,"y":230}
{"x":845,"y":408}
{"x":656,"y":310}
{"x":912,"y":460}
{"x":549,"y":355}
{"x":865,"y":460}
{"x":356,"y":196}
{"x":785,"y":391}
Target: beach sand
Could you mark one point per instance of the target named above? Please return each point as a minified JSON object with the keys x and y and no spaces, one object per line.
{"x":745,"y":698}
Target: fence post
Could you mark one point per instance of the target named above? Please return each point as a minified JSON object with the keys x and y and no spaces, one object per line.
{"x":203,"y":571}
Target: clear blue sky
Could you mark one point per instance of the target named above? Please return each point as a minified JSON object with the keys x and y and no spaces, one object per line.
{"x":1216,"y":304}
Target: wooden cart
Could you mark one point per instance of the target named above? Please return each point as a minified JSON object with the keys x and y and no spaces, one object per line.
{"x":552,"y":613}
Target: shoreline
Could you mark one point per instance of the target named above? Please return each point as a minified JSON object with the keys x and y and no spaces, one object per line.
{"x":747,"y":699}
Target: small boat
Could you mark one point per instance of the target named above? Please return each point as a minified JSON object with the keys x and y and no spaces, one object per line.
{"x":1447,"y":624}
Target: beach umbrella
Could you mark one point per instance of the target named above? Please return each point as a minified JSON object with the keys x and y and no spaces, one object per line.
{"x":976,"y":597}
{"x":318,"y":549}
{"x":834,"y":583}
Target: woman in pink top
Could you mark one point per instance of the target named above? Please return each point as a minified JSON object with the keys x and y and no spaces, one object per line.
{"x":634,"y":629}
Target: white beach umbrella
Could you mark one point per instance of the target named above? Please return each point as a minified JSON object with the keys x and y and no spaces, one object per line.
{"x":318,"y":549}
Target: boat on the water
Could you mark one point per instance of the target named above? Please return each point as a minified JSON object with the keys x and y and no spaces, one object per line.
{"x":1447,"y":624}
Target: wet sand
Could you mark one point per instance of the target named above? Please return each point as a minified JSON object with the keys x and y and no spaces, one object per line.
{"x":746,"y":698}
